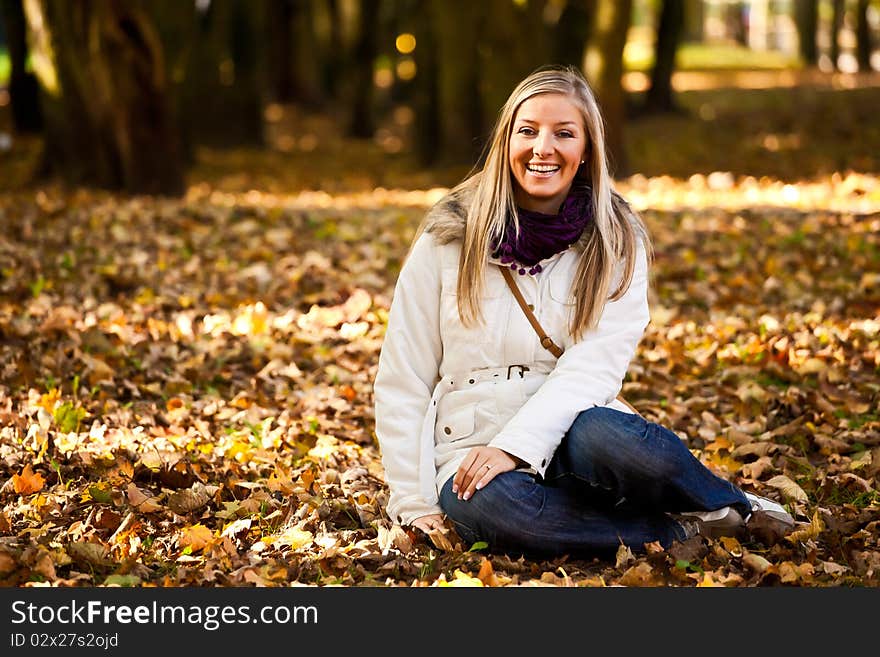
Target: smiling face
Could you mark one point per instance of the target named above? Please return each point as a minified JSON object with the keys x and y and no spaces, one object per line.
{"x":547,"y":143}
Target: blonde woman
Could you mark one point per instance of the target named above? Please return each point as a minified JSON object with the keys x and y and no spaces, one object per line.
{"x":478,"y":420}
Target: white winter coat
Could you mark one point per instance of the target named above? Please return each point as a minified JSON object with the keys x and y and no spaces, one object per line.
{"x":441,"y":389}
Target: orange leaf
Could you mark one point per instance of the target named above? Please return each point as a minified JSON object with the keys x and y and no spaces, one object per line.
{"x":28,"y":481}
{"x":197,"y":537}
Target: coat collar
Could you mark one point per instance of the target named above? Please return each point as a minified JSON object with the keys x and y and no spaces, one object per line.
{"x":447,"y":218}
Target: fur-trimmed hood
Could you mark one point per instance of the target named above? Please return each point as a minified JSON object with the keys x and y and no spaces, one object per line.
{"x":446,"y":219}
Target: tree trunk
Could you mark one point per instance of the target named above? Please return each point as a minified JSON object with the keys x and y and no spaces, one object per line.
{"x":669,"y":27}
{"x":863,"y":36}
{"x":458,"y":28}
{"x":24,"y":91}
{"x":103,"y":91}
{"x":514,"y":42}
{"x":361,"y":122}
{"x":280,"y":47}
{"x":220,"y":93}
{"x":333,"y":59}
{"x":572,"y":31}
{"x":306,"y":63}
{"x":604,"y":68}
{"x":839,"y":8}
{"x":693,"y":20}
{"x":807,"y":21}
{"x":426,"y":92}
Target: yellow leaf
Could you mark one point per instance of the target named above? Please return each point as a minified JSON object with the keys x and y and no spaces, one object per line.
{"x":196,"y":537}
{"x":460,"y":579}
{"x":293,"y":537}
{"x":809,"y":531}
{"x":48,"y":400}
{"x":707,"y":581}
{"x":28,"y":481}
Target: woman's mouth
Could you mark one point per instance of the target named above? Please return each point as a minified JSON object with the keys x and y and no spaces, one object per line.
{"x":542,"y":170}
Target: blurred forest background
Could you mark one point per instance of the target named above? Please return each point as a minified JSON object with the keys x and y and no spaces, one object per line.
{"x":152,"y":90}
{"x":204,"y":206}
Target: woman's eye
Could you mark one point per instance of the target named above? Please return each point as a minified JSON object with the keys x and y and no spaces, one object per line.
{"x":566,"y":134}
{"x":525,"y":130}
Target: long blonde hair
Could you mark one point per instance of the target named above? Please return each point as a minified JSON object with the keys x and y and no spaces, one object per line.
{"x":608,"y":240}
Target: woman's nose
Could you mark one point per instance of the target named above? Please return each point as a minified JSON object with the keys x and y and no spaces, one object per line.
{"x":543,"y":145}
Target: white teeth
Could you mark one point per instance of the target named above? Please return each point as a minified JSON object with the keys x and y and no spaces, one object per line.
{"x":542,"y":168}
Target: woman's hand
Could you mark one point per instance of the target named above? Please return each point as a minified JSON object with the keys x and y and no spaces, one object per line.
{"x":479,"y":467}
{"x":429,"y":522}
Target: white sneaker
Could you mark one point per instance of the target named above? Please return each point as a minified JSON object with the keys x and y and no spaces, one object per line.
{"x":725,"y":521}
{"x":769,"y":522}
{"x":773,"y":509}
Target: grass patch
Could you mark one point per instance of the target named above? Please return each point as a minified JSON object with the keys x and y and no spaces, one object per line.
{"x":639,"y":56}
{"x":5,"y":67}
{"x":858,"y":499}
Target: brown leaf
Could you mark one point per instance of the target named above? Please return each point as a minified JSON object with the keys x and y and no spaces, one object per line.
{"x":7,"y":563}
{"x":394,"y":537}
{"x":92,"y":553}
{"x":787,"y":487}
{"x":142,"y":501}
{"x":189,"y":499}
{"x":624,"y":556}
{"x":642,"y":574}
{"x":440,"y":539}
{"x":756,"y":562}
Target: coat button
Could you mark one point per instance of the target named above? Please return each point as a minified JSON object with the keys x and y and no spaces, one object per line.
{"x":447,"y":430}
{"x":471,"y":381}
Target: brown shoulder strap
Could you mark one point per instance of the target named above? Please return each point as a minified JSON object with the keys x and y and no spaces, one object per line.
{"x":546,"y":341}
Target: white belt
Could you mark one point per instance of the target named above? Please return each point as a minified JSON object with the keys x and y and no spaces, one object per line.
{"x":449,"y":383}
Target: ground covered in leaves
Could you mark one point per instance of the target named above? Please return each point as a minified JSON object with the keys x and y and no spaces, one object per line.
{"x":185,"y":385}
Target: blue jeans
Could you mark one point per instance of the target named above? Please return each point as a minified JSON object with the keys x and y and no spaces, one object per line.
{"x":611,"y":481}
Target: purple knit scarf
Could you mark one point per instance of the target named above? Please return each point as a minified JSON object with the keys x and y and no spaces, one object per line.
{"x":543,"y":235}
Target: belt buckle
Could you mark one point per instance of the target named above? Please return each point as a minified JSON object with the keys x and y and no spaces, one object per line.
{"x":522,"y":370}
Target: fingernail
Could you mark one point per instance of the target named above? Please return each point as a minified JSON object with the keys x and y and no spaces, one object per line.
{"x":454,"y":488}
{"x":467,"y":496}
{"x":479,"y":486}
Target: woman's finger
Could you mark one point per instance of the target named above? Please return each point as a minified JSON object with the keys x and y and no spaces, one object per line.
{"x":476,"y":474}
{"x":459,"y":482}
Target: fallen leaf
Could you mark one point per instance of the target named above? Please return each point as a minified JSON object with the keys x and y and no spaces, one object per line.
{"x":142,"y":501}
{"x":188,"y":499}
{"x":642,"y":574}
{"x":293,"y":537}
{"x":196,"y":537}
{"x":28,"y":481}
{"x":459,"y":579}
{"x":787,"y":487}
{"x":756,"y":562}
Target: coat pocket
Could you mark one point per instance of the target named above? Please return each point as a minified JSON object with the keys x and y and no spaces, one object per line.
{"x":456,"y":424}
{"x":453,"y":331}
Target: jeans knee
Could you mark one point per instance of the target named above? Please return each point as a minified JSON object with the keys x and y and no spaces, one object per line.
{"x":503,"y":505}
{"x":599,"y":430}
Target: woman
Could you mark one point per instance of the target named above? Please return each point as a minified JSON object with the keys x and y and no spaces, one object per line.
{"x":476,"y":420}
